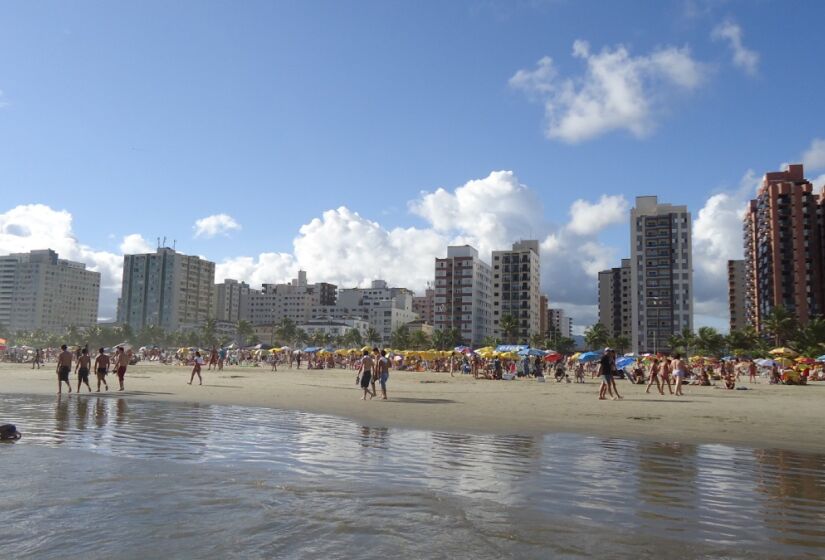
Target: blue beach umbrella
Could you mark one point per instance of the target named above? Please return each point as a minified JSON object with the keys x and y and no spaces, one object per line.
{"x":532,"y":352}
{"x":624,"y":361}
{"x":821,"y":358}
{"x":590,"y":356}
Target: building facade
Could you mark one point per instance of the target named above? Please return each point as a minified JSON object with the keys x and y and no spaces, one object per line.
{"x":424,"y":306}
{"x":736,"y":295}
{"x":614,"y":300}
{"x":385,"y":309}
{"x":783,"y":238}
{"x":335,"y":327}
{"x":38,"y":290}
{"x":231,"y":301}
{"x":294,"y":301}
{"x":560,"y":323}
{"x":517,"y":289}
{"x":544,"y":304}
{"x":166,"y":289}
{"x":463,"y":296}
{"x":661,"y":273}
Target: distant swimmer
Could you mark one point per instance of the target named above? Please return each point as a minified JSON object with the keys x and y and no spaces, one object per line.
{"x":64,"y":368}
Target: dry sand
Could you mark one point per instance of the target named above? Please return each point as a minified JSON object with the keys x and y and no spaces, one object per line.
{"x":766,"y":416}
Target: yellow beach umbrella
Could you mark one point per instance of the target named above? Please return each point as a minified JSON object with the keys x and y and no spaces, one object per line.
{"x":784,"y":352}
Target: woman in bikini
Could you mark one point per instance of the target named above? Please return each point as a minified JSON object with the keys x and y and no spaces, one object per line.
{"x":679,"y":372}
{"x":666,"y":376}
{"x":654,"y":377}
{"x":196,"y":370}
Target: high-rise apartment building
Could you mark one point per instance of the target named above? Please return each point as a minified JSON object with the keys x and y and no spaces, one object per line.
{"x":166,"y":289}
{"x":38,"y":290}
{"x":463,"y":297}
{"x":736,"y":295}
{"x":517,"y":289}
{"x":661,"y":273}
{"x":544,"y":304}
{"x":560,"y":323}
{"x":614,"y":300}
{"x":230,"y":301}
{"x":783,"y":240}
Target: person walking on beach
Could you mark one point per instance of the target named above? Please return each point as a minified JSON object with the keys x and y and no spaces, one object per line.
{"x":365,"y":374}
{"x":221,"y":358}
{"x":38,"y":358}
{"x":64,"y":367}
{"x":752,"y":371}
{"x":102,"y":368}
{"x":679,"y":371}
{"x":665,"y":373}
{"x":82,"y":369}
{"x":375,"y":374}
{"x":196,"y":369}
{"x":606,"y":373}
{"x":383,"y":372}
{"x":121,"y":362}
{"x":654,"y":377}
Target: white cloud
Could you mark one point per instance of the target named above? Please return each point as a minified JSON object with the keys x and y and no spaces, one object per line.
{"x":134,"y":243}
{"x":819,"y":182}
{"x":617,"y":91}
{"x":216,"y":224}
{"x":587,"y":218}
{"x":36,"y":226}
{"x":814,"y":157}
{"x":268,"y":268}
{"x":717,"y":238}
{"x":744,"y":58}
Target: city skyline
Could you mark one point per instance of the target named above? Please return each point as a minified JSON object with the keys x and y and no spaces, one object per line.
{"x":216,"y":141}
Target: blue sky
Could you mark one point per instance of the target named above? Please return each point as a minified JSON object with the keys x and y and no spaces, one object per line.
{"x":142,"y":118}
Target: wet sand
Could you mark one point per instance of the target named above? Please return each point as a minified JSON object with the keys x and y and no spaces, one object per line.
{"x":766,"y":416}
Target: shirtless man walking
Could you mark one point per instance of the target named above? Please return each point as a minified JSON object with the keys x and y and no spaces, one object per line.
{"x":82,"y":369}
{"x":121,"y":361}
{"x":365,"y":374}
{"x":64,"y":367}
{"x":102,"y":368}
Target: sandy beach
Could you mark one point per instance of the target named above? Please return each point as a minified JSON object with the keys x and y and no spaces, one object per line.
{"x":766,"y":416}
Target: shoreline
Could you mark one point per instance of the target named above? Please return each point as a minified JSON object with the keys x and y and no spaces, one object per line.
{"x":767,"y":416}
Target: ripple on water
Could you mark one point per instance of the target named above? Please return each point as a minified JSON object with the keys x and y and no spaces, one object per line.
{"x":104,"y":476}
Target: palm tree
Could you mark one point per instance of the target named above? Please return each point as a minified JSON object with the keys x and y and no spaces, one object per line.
{"x":286,"y":331}
{"x":538,"y":341}
{"x":810,"y":339}
{"x":353,"y":338}
{"x":596,"y":336}
{"x":400,"y":338}
{"x":619,"y":343}
{"x":709,"y":342}
{"x":420,"y":341}
{"x":780,"y":324}
{"x":682,"y":342}
{"x":565,"y":345}
{"x":744,"y":342}
{"x":509,"y":328}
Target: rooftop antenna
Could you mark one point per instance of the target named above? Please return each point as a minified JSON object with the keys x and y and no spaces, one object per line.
{"x":174,"y":244}
{"x":164,"y":241}
{"x":158,"y":242}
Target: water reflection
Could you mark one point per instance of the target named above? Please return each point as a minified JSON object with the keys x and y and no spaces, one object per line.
{"x":774,"y":501}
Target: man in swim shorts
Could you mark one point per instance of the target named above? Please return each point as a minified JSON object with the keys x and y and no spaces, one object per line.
{"x":121,"y":361}
{"x":102,"y":368}
{"x":606,"y":373}
{"x":383,"y":373}
{"x":365,"y":374}
{"x":64,"y":367}
{"x":82,"y":369}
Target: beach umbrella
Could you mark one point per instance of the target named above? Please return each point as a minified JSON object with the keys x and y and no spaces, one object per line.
{"x":531,"y":352}
{"x":590,"y":356}
{"x":766,"y":363}
{"x":575,"y":356}
{"x":806,"y":361}
{"x":783,"y":351}
{"x":821,"y":358}
{"x":624,"y":361}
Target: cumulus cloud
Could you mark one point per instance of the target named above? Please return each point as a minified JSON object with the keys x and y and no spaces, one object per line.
{"x":587,"y":218}
{"x":134,"y":243}
{"x":618,"y":91}
{"x":217,"y":224}
{"x":744,"y":58}
{"x":36,"y":226}
{"x":814,"y":157}
{"x":717,"y":238}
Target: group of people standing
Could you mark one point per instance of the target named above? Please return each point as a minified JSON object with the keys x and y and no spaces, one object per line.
{"x":375,"y":367}
{"x":83,"y":366}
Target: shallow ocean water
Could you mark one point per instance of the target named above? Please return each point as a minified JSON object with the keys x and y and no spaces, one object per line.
{"x":110,"y":477}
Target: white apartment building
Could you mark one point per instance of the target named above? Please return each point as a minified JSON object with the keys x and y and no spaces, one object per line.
{"x":335,"y":327}
{"x":560,"y":323}
{"x":295,"y":301}
{"x":517,"y":289}
{"x":167,"y":289}
{"x":463,"y":294}
{"x":386,"y":309}
{"x":40,"y":291}
{"x":661,"y":264}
